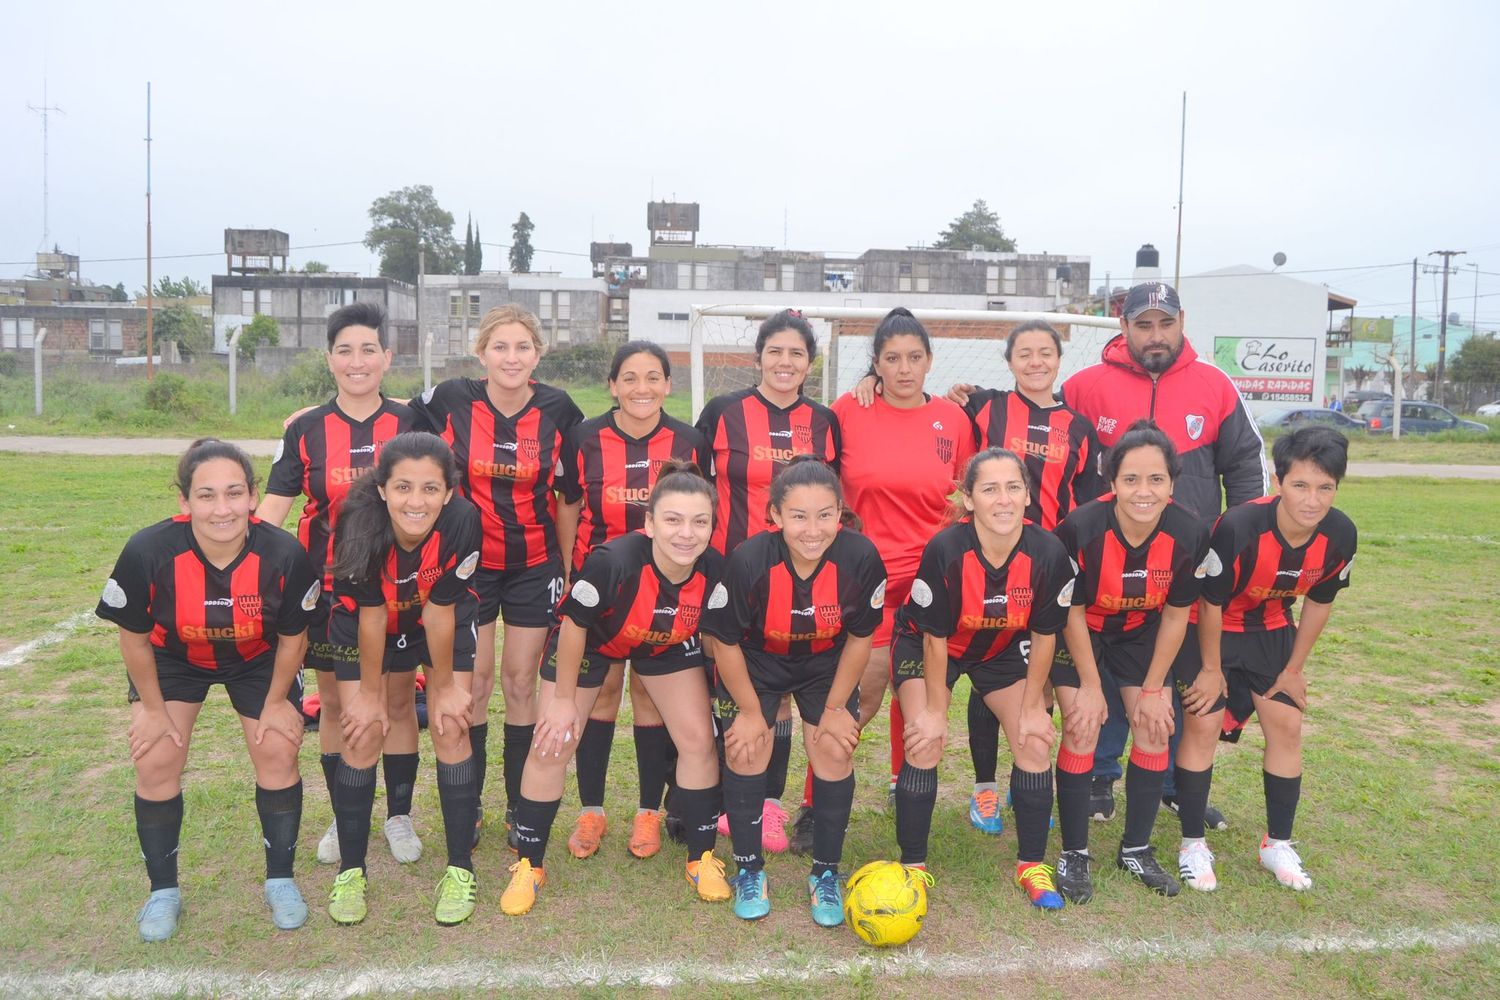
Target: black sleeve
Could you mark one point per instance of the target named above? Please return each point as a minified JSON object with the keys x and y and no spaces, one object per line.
{"x":593,"y":588}
{"x":366,"y":593}
{"x":287,"y":471}
{"x":430,"y":409}
{"x":1239,"y":457}
{"x":869,"y":594}
{"x":1344,"y":538}
{"x":1187,"y":585}
{"x":1067,"y":533}
{"x":569,"y":481}
{"x":126,"y":600}
{"x":731,"y":605}
{"x":929,"y":606}
{"x":835,"y":442}
{"x":1088,"y":480}
{"x":1221,"y":564}
{"x":977,"y":400}
{"x":464,"y":550}
{"x":1049,"y":613}
{"x":300,"y":590}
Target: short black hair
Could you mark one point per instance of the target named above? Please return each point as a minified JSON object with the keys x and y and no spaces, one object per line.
{"x":1322,"y":446}
{"x":357,"y":314}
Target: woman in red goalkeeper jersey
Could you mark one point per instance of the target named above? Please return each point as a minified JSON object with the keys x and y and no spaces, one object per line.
{"x":213,"y":596}
{"x":610,"y":463}
{"x":752,"y":435}
{"x":1139,"y":556}
{"x":641,"y":597}
{"x":324,"y":450}
{"x":406,"y":550}
{"x":901,"y":460}
{"x":507,"y":433}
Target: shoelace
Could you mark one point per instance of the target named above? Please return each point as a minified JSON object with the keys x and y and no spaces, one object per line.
{"x":773,"y":821}
{"x":283,"y":892}
{"x":923,"y":875}
{"x":452,"y":887}
{"x":591,"y":825}
{"x":712,"y":864}
{"x":747,"y":886}
{"x":988,"y":802}
{"x":1039,"y":877}
{"x":826,"y":888}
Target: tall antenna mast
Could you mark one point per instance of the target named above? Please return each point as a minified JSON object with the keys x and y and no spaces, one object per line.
{"x":45,"y":110}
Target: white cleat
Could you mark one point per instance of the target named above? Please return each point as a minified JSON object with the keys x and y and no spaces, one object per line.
{"x":405,"y":845}
{"x":328,"y":847}
{"x":1195,"y":863}
{"x":1280,"y":859}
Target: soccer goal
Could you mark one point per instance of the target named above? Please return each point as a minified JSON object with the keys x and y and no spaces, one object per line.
{"x":967,"y":346}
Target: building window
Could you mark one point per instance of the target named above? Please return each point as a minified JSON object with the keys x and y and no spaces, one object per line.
{"x":1008,"y":285}
{"x":684,"y":277}
{"x":27,"y":334}
{"x":247,"y":302}
{"x":335,"y":297}
{"x":564,"y":307}
{"x":406,"y":341}
{"x":672,"y":317}
{"x":473,"y":305}
{"x":700,"y":276}
{"x":1052,"y":281}
{"x":617,"y":310}
{"x":116,"y":335}
{"x":455,"y":305}
{"x":769,"y":283}
{"x":106,"y":335}
{"x":788,"y":277}
{"x":97,"y":336}
{"x":8,"y":334}
{"x":924,"y":279}
{"x":903,"y":278}
{"x":992,"y":279}
{"x":459,"y":339}
{"x":544,"y":308}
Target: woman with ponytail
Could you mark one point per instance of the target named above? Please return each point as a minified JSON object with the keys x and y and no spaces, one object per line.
{"x":639,"y":597}
{"x":405,"y":551}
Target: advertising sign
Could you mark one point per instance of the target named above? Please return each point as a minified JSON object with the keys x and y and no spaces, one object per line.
{"x":1279,"y":369}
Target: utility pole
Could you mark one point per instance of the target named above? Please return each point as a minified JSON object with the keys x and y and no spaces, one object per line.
{"x":150,"y":326}
{"x":1447,"y":256}
{"x":1414,"y":328}
{"x":1181,"y":170}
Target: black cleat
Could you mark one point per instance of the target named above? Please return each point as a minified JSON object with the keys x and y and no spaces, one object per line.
{"x":1102,"y":800}
{"x":512,"y":836}
{"x":1073,"y":877}
{"x":801,"y":840}
{"x":1147,"y":870}
{"x":1212,"y":818}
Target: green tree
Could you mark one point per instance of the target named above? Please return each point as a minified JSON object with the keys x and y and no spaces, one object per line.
{"x":260,"y":330}
{"x":405,"y":219}
{"x":478,"y":252}
{"x":1476,"y":362}
{"x":315,"y":267}
{"x":520,"y":245}
{"x":118,"y":293}
{"x":166,"y":288}
{"x":178,"y":323}
{"x":977,"y":227}
{"x":473,"y":252}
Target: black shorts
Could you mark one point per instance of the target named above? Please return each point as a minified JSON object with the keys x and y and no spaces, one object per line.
{"x":1126,"y":655}
{"x":247,"y":684}
{"x":321,"y":653}
{"x":403,"y":653}
{"x":1254,"y":660}
{"x":523,"y":598}
{"x":999,"y":672}
{"x":1189,"y":664}
{"x":811,"y":696}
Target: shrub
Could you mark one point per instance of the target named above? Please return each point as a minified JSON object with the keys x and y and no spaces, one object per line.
{"x":307,"y":378}
{"x":166,"y":393}
{"x":586,"y":363}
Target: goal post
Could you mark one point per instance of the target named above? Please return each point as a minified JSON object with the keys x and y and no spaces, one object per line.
{"x":968,"y":345}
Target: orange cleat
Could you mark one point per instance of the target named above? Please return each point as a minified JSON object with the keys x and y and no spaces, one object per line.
{"x":645,"y":834}
{"x":587,"y":833}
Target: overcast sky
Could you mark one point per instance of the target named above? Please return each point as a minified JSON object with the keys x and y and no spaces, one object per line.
{"x":1345,"y":135}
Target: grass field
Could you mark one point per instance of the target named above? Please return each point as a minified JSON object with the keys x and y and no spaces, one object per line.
{"x":1397,"y":822}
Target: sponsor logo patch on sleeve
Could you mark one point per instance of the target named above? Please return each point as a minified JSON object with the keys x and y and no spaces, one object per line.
{"x":466,"y":568}
{"x":310,"y":599}
{"x":586,"y":594}
{"x":719,"y":598}
{"x":921,"y":593}
{"x":114,"y":594}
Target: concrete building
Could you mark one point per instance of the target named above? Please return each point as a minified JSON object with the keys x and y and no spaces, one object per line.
{"x":75,"y":331}
{"x":571,"y":310}
{"x":301,"y":304}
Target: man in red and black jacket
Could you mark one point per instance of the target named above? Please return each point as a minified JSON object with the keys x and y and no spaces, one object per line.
{"x":1150,"y":370}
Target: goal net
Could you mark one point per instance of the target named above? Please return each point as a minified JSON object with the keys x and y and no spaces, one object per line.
{"x":967,"y":346}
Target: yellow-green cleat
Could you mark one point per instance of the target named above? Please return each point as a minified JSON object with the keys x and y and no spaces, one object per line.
{"x":455,"y":896}
{"x":346,"y":903}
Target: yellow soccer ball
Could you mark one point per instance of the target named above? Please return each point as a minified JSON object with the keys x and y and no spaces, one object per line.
{"x":885,"y":903}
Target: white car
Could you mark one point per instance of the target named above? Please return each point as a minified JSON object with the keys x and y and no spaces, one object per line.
{"x":1489,"y":410}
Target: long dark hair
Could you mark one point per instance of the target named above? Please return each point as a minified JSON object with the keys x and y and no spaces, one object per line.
{"x":206,"y":450}
{"x":364,"y":536}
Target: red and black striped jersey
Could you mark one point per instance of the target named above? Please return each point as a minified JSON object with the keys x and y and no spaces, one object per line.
{"x":321,"y":454}
{"x":751,"y":439}
{"x":899,"y":467}
{"x":764,"y":605}
{"x":1125,"y":587}
{"x":437,"y":571}
{"x":1255,"y":575}
{"x":200,"y":615}
{"x":979,"y":608}
{"x":508,"y":465}
{"x":629,"y":608}
{"x":1058,"y":444}
{"x":613,"y":473}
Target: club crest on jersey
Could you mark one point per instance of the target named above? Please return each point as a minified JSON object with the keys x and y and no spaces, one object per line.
{"x":1195,"y":425}
{"x":529,"y":447}
{"x":428,"y":576}
{"x":1021,"y":597}
{"x":249,"y":605}
{"x":1312,"y":575}
{"x":828,"y":615}
{"x":802,"y":434}
{"x":1161,"y":577}
{"x":944,"y":447}
{"x":687,"y":617}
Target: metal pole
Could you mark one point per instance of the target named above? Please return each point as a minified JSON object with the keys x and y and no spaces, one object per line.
{"x":1414,"y":326}
{"x":1181,"y":170}
{"x":426,"y":341}
{"x":36,"y":366}
{"x":1395,"y":396}
{"x":695,"y":357}
{"x":234,"y":366}
{"x":150,"y":325}
{"x":1447,"y":256}
{"x":426,"y":360}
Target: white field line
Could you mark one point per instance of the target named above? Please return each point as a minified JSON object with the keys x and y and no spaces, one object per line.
{"x":53,"y":636}
{"x":584,"y":971}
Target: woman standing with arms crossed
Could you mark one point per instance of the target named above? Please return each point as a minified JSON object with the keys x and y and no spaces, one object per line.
{"x":406,"y":549}
{"x":507,"y":432}
{"x":611,"y":463}
{"x":213,"y":596}
{"x":324,"y":450}
{"x":752,"y":435}
{"x":794,"y":617}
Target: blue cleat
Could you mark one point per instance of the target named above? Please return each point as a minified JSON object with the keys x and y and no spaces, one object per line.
{"x":157,"y":920}
{"x":984,"y":812}
{"x":827,"y":899}
{"x":752,"y":899}
{"x":288,"y":911}
{"x":1035,"y":879}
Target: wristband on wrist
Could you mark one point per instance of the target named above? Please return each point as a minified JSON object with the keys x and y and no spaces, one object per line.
{"x":1152,"y":691}
{"x":834,"y":708}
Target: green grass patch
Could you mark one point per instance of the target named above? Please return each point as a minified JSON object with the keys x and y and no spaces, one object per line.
{"x":1403,"y":759}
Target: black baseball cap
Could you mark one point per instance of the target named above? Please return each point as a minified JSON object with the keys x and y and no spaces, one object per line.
{"x":1151,"y":295}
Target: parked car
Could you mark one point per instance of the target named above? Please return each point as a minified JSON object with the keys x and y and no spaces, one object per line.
{"x":1301,"y":416}
{"x":1354,"y":400}
{"x":1489,"y":409}
{"x":1416,"y":418}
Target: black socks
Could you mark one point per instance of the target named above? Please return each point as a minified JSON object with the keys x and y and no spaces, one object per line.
{"x":159,"y":827}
